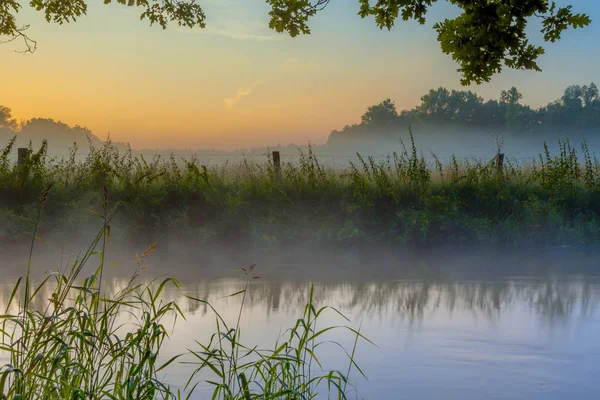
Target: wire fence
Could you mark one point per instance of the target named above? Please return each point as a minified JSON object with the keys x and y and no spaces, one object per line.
{"x":335,"y":159}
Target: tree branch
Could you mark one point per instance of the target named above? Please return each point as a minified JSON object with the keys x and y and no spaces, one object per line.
{"x":19,"y":33}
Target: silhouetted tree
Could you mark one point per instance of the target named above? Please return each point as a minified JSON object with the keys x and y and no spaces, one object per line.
{"x":513,"y":118}
{"x":579,"y":107}
{"x":445,"y":106}
{"x":435,"y":105}
{"x":57,"y":133}
{"x":381,"y":114}
{"x":590,"y":94}
{"x":6,"y":119}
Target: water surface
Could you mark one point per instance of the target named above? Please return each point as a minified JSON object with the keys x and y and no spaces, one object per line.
{"x":453,"y":325}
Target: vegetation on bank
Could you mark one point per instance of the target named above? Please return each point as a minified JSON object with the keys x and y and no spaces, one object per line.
{"x":72,"y":336}
{"x":401,"y":200}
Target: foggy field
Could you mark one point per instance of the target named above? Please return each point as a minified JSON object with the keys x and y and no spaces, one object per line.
{"x":257,"y":200}
{"x":400,"y":199}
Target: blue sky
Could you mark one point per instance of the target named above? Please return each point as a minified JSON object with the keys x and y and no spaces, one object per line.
{"x":237,"y":83}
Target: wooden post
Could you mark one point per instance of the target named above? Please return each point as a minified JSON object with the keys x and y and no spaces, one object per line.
{"x":277,"y":165}
{"x":22,"y":153}
{"x":500,"y":164}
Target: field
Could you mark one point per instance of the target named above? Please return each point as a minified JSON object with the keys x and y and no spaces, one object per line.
{"x":398,"y":201}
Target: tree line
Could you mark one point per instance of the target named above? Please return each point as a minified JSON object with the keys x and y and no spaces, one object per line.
{"x":60,"y":135}
{"x":578,"y":109}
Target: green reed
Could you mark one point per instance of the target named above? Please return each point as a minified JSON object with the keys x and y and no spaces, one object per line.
{"x":553,"y":200}
{"x":66,"y":339}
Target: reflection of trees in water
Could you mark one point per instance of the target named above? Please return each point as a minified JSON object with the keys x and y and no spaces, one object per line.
{"x":551,"y":299}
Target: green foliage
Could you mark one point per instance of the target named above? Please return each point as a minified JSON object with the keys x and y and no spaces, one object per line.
{"x":382,"y":114}
{"x":66,"y":338}
{"x":286,"y":372}
{"x":400,"y":199}
{"x":441,"y":105}
{"x":485,"y":37}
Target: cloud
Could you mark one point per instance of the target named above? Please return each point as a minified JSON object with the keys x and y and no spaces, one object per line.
{"x":240,"y":94}
{"x":236,"y":31}
{"x":244,"y":36}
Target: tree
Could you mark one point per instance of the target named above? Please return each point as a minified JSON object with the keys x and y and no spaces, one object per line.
{"x":511,"y":99}
{"x":580,"y":106}
{"x":381,"y":114}
{"x":459,"y":106}
{"x":512,"y":96}
{"x":6,"y":119}
{"x":436,"y":105}
{"x":59,"y":133}
{"x":486,"y":36}
{"x":573,"y":98}
{"x":590,"y":94}
{"x":491,"y":114}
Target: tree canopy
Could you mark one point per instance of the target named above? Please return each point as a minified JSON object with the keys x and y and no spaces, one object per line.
{"x":6,"y":119}
{"x":485,"y":37}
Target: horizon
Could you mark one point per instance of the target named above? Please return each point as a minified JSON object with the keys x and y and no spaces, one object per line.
{"x":238,"y":84}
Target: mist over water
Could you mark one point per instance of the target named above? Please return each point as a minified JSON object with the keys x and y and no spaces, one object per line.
{"x":466,"y":323}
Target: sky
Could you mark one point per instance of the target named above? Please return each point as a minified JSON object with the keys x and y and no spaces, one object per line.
{"x":238,"y":84}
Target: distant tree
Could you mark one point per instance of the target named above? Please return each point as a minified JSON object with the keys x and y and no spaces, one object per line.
{"x":511,"y":96}
{"x":513,"y":117}
{"x":444,"y":106}
{"x":491,"y":114}
{"x":590,"y":115}
{"x":578,"y":107}
{"x":466,"y":105}
{"x":381,"y":114}
{"x":435,"y":105}
{"x":486,"y":36}
{"x":590,"y":94}
{"x":60,"y":136}
{"x":6,"y":119}
{"x":573,"y":97}
{"x":46,"y":128}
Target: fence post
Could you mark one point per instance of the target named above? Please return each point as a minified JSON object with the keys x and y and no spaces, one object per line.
{"x":499,"y":164}
{"x":22,"y":153}
{"x":277,"y":165}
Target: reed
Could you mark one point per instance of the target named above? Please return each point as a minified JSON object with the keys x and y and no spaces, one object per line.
{"x":554,"y":200}
{"x":66,"y":338}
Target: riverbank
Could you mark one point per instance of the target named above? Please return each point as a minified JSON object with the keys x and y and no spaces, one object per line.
{"x":401,"y":201}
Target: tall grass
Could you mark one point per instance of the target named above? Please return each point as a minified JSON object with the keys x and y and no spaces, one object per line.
{"x":66,"y":339}
{"x":399,"y":200}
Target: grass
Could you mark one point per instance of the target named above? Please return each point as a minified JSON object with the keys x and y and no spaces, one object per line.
{"x":66,"y":339}
{"x":399,"y":201}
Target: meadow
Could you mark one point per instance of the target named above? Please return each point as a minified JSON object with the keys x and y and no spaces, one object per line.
{"x":402,"y":200}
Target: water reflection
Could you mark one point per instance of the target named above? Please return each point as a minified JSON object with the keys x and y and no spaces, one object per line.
{"x":552,"y":299}
{"x":411,"y":301}
{"x":440,"y":334}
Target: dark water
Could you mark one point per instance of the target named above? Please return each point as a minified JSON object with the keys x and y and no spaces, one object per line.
{"x":453,"y":325}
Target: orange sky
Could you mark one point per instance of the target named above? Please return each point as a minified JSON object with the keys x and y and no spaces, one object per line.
{"x":239,"y":84}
